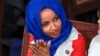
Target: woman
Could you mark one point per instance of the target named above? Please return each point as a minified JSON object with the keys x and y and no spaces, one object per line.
{"x":50,"y":33}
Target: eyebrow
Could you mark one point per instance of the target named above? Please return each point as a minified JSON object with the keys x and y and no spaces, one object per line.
{"x":54,"y":16}
{"x":44,"y":22}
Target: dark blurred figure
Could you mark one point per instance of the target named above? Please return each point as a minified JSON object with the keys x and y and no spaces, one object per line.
{"x":13,"y":11}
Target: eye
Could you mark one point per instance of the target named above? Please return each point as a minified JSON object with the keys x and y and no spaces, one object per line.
{"x":56,"y":18}
{"x":45,"y":24}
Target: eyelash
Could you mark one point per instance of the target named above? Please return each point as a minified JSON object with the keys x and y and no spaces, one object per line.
{"x":56,"y":18}
{"x":44,"y":24}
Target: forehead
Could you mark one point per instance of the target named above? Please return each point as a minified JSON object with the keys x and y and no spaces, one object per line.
{"x":47,"y":13}
{"x":47,"y":10}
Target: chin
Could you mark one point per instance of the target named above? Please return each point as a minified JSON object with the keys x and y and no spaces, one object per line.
{"x":55,"y":36}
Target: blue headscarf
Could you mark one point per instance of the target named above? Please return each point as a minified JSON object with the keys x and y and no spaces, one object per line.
{"x":33,"y":23}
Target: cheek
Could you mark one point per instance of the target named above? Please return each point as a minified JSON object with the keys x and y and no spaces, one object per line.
{"x":59,"y":24}
{"x":46,"y":30}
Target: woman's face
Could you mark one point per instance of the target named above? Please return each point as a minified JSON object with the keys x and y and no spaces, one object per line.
{"x":51,"y":24}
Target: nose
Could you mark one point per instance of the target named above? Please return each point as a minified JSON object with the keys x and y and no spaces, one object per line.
{"x":53,"y":27}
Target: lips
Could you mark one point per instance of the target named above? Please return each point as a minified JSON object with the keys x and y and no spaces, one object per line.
{"x":55,"y":32}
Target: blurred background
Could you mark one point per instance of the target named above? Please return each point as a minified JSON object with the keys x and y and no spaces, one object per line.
{"x":13,"y":26}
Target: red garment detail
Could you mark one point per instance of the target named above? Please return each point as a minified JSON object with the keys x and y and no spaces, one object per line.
{"x":31,"y":38}
{"x":79,"y":46}
{"x":29,"y":53}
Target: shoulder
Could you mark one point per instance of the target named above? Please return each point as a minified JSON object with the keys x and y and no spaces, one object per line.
{"x":80,"y":41}
{"x":76,"y":38}
{"x":75,"y":35}
{"x":94,"y":46}
{"x":95,"y":42}
{"x":79,"y":46}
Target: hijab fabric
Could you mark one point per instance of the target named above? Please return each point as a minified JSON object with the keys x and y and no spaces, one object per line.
{"x":33,"y":23}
